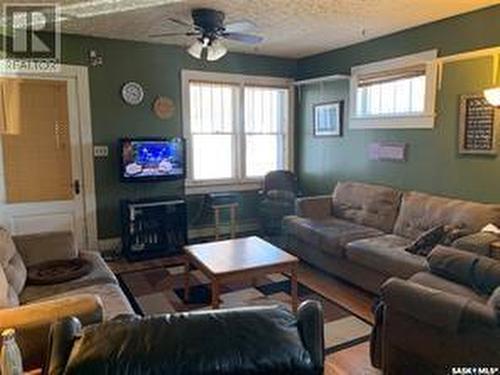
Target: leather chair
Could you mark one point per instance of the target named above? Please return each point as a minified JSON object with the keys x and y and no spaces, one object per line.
{"x":277,"y":199}
{"x":251,"y":340}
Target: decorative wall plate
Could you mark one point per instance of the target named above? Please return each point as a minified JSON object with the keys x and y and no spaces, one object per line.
{"x":132,"y":93}
{"x":163,"y":107}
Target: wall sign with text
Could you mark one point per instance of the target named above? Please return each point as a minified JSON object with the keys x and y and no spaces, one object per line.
{"x":478,"y":125}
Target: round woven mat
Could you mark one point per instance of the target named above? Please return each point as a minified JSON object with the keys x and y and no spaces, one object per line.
{"x":58,"y":271}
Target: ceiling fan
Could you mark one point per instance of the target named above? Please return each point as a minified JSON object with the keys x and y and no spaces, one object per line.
{"x":208,"y":28}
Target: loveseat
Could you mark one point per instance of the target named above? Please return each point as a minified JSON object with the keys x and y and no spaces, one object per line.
{"x":361,"y":231}
{"x":448,"y":316}
{"x":31,"y":309}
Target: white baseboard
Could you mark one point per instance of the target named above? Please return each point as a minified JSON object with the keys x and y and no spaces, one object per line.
{"x":115,"y":243}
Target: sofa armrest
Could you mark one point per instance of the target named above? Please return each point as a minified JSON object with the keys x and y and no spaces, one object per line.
{"x":62,"y":337}
{"x":436,"y":308}
{"x":42,"y":247}
{"x":311,"y":327}
{"x":318,"y":207}
{"x":32,"y":322}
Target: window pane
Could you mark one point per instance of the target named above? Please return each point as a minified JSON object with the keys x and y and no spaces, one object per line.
{"x":211,"y":107}
{"x":265,"y":109}
{"x":212,"y":156}
{"x":400,"y":96}
{"x":262,"y":155}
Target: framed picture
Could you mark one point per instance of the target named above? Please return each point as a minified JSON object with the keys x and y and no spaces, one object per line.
{"x":327,"y":119}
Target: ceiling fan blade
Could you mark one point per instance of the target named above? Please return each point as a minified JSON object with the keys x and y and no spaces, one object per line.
{"x":180,"y":22}
{"x":243,"y":38}
{"x":240,"y":26}
{"x":161,"y":35}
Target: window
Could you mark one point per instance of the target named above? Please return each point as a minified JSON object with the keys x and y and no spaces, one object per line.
{"x":212,"y":119}
{"x":397,"y":93}
{"x":237,"y":128}
{"x":266,"y":116}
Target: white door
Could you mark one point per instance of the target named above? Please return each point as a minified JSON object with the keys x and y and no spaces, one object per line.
{"x":41,"y":169}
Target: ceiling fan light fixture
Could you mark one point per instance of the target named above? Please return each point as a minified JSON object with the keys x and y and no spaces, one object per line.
{"x":216,"y":50}
{"x":196,"y":49}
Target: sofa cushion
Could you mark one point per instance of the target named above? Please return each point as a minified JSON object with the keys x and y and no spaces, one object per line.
{"x":113,"y":300}
{"x":329,"y":235}
{"x":420,"y":212}
{"x":43,"y":247}
{"x":386,"y":254}
{"x":11,"y":262}
{"x":433,"y":281}
{"x":100,"y":274}
{"x":476,"y":271}
{"x":371,"y":205}
{"x":478,"y":243}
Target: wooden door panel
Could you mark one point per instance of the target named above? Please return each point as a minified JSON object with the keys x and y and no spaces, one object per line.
{"x":36,"y":148}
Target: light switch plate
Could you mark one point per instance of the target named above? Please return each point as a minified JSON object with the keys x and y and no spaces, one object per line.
{"x":101,"y":151}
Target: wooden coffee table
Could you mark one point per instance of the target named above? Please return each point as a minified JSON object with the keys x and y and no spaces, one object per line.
{"x":243,"y":259}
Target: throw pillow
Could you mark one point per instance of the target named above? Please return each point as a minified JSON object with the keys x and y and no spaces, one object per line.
{"x":452,"y":233}
{"x":427,"y":241}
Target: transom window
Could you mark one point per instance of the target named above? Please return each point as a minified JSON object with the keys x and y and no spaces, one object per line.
{"x":237,"y":127}
{"x":396,"y":93}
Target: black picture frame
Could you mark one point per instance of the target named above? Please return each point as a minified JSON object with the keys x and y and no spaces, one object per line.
{"x":328,"y":118}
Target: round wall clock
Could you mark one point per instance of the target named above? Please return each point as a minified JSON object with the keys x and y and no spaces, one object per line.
{"x":163,"y":107}
{"x":132,"y":93}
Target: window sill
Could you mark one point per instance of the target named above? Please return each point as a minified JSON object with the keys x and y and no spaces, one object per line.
{"x":393,"y":122}
{"x":196,"y":188}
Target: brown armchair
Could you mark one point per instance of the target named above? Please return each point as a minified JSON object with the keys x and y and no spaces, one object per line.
{"x":277,"y":199}
{"x":449,"y":316}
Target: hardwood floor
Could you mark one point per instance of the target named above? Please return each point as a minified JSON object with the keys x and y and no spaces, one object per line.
{"x":356,"y":359}
{"x":352,"y":361}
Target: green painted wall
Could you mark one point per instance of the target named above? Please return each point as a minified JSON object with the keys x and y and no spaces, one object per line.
{"x":157,"y":68}
{"x":434,"y":164}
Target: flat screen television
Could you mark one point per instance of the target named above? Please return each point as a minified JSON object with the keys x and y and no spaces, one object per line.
{"x":152,"y":159}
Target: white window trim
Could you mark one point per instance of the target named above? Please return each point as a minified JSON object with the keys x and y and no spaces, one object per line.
{"x":399,"y":121}
{"x":239,"y":183}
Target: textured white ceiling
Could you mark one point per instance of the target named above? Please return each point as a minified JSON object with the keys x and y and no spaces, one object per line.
{"x":291,"y":28}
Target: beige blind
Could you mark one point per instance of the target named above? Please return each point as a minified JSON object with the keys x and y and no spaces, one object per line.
{"x":37,"y":155}
{"x":391,"y":75}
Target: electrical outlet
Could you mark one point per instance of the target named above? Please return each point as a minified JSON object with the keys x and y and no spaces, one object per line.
{"x":101,"y":151}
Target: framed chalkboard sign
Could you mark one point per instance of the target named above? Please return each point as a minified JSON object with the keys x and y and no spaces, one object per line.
{"x":478,"y":125}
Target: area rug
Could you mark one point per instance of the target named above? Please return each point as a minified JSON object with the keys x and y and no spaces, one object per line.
{"x":160,"y":290}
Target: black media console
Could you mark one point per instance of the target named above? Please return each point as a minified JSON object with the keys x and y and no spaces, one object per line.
{"x":153,"y":227}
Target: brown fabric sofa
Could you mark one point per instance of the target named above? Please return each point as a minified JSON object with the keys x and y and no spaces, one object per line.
{"x":32,"y":309}
{"x":359,"y":233}
{"x":447,"y":316}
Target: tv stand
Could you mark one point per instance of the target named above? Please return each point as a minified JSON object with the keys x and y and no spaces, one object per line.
{"x":153,"y":227}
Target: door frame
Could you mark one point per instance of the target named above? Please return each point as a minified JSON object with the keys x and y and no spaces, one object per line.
{"x":79,"y":74}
